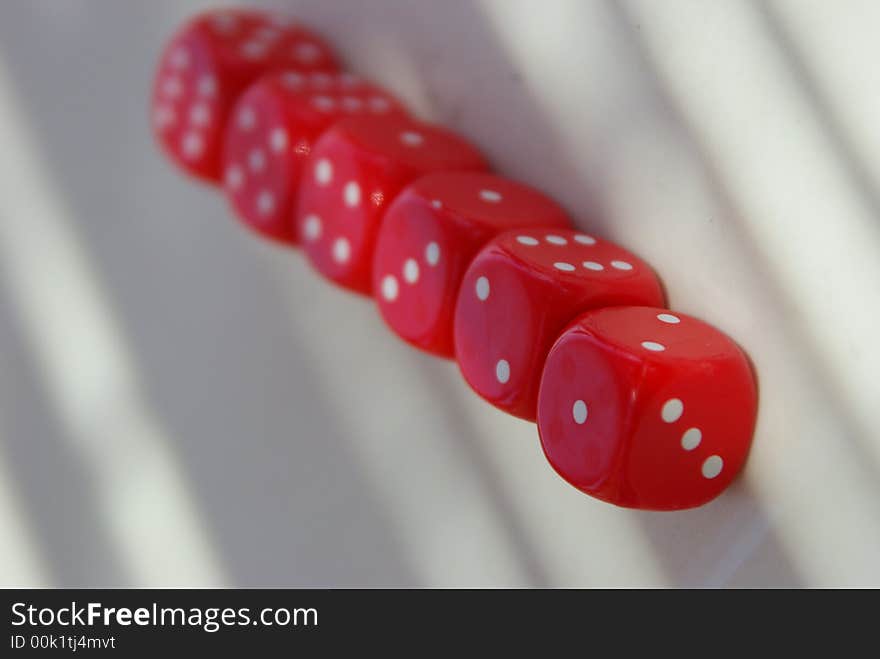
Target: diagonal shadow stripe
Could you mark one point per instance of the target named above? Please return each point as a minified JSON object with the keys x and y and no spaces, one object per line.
{"x":856,"y":170}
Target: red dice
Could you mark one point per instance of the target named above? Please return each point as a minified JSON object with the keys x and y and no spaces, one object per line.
{"x":358,"y":167}
{"x":429,"y":236}
{"x":646,"y":408}
{"x":204,"y":68}
{"x":270,"y":136}
{"x":520,"y":292}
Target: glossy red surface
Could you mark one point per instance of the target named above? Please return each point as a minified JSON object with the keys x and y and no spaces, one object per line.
{"x":206,"y":66}
{"x":428,"y":238}
{"x":646,"y":408}
{"x":270,"y":135}
{"x":520,"y":292}
{"x":358,"y":167}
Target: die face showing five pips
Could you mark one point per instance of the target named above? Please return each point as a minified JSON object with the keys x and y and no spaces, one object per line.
{"x":646,"y":408}
{"x":207,"y":65}
{"x":429,"y":236}
{"x":636,"y":405}
{"x":270,"y":136}
{"x":358,"y":167}
{"x":519,"y":293}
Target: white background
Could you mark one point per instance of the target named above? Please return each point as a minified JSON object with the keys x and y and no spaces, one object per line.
{"x":183,"y":404}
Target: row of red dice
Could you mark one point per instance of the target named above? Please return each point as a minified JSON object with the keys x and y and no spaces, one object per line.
{"x":635,"y":404}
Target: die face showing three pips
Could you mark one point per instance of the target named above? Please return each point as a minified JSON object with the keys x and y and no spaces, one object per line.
{"x":519,"y":293}
{"x":358,"y":167}
{"x":646,"y":408}
{"x":207,"y":65}
{"x":270,"y":135}
{"x":429,"y":236}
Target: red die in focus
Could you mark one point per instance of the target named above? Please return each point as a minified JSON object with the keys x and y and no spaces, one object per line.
{"x":429,"y":236}
{"x":520,"y":292}
{"x":204,"y":68}
{"x":270,"y":136}
{"x":646,"y":408}
{"x":358,"y":166}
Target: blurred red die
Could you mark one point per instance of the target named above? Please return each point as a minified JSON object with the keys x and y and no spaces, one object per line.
{"x":428,"y":238}
{"x":358,"y":167}
{"x":270,"y":136}
{"x":521,"y":291}
{"x":204,"y":68}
